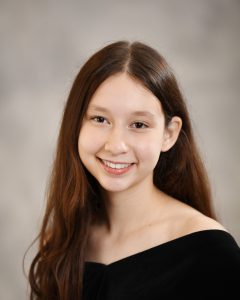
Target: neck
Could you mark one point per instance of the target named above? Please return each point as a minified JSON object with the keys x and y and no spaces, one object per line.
{"x":131,"y":210}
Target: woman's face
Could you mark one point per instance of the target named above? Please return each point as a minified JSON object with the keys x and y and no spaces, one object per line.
{"x":112,"y":130}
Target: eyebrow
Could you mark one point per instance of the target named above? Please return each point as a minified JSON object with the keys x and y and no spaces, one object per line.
{"x":134,"y":113}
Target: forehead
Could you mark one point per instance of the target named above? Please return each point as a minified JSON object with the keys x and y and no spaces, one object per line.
{"x":122,"y":94}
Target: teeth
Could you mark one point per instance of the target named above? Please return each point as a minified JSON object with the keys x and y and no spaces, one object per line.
{"x":115,"y":166}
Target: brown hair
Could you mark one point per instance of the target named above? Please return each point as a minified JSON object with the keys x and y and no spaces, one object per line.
{"x":73,"y":198}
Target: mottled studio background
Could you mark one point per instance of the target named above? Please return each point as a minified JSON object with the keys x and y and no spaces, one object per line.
{"x":43,"y":45}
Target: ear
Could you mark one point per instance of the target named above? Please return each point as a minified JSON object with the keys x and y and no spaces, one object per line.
{"x":171,"y":133}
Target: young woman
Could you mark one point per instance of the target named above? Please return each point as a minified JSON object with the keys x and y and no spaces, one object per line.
{"x":129,"y":212}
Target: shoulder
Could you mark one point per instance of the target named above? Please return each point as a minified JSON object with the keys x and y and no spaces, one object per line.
{"x":196,"y":221}
{"x":211,"y":240}
{"x":187,"y":219}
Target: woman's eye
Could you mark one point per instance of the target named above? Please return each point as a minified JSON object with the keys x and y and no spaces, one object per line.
{"x":141,"y":124}
{"x":99,"y":118}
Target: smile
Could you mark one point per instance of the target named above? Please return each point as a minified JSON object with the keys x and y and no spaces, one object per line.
{"x":116,"y":169}
{"x":115,"y":165}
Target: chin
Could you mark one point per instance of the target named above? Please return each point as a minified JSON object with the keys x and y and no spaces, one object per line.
{"x":114,"y":188}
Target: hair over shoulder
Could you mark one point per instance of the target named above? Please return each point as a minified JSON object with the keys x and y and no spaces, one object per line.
{"x":73,"y":200}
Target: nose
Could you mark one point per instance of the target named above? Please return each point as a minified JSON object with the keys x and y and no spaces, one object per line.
{"x":116,"y":142}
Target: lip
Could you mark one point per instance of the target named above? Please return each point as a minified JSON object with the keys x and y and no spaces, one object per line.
{"x":113,"y":171}
{"x":114,"y":162}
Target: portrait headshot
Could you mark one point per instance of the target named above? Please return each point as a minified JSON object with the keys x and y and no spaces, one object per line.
{"x":120,"y":165}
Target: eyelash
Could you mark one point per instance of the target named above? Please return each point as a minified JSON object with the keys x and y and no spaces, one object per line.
{"x":94,"y":117}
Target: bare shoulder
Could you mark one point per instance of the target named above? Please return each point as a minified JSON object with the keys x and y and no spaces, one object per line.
{"x":191,"y":220}
{"x":198,"y":222}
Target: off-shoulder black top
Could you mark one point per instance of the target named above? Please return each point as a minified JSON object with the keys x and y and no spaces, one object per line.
{"x":200,"y":265}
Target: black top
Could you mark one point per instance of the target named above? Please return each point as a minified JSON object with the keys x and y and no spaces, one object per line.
{"x":200,"y":265}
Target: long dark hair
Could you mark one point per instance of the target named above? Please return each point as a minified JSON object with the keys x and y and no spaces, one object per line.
{"x":73,"y":197}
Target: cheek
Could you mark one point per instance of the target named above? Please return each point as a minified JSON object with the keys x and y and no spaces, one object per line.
{"x":88,"y":141}
{"x":149,"y":150}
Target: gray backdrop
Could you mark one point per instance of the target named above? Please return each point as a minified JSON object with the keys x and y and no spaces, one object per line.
{"x":43,"y":45}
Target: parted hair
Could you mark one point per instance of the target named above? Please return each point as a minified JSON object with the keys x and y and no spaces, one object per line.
{"x":73,"y":199}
